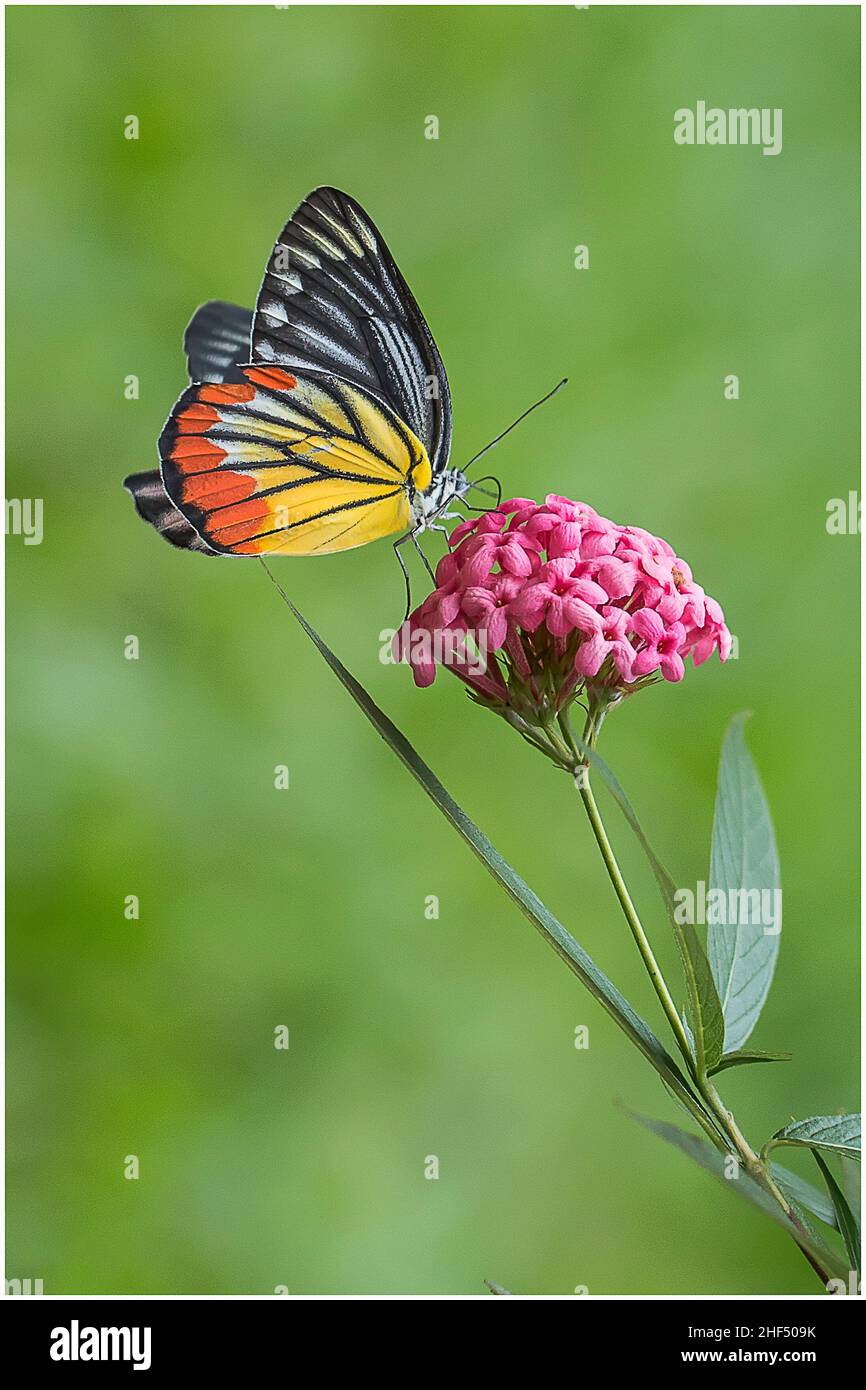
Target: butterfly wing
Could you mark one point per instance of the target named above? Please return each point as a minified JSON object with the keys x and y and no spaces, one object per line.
{"x":153,"y":506}
{"x":333,"y":300}
{"x":217,"y":341}
{"x":285,"y":464}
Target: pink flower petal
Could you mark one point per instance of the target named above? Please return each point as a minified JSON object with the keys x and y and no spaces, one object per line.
{"x":449,"y":607}
{"x":557,"y":618}
{"x":556,"y":571}
{"x":725,"y":643}
{"x":465,"y":528}
{"x":647,"y":625}
{"x":479,"y":563}
{"x":564,"y":540}
{"x":581,"y":615}
{"x":424,"y":674}
{"x":623,"y":659}
{"x":497,"y":629}
{"x":670,"y":607}
{"x":588,"y":591}
{"x":447,"y":569}
{"x":672,"y":667}
{"x":617,"y":577}
{"x":489,"y":522}
{"x":477,"y":603}
{"x":657,"y":565}
{"x":645,"y":662}
{"x":529,"y":607}
{"x":615,"y":622}
{"x":595,"y":543}
{"x":590,"y":654}
{"x":704,"y":647}
{"x":516,"y":559}
{"x":517,"y":504}
{"x":562,"y":506}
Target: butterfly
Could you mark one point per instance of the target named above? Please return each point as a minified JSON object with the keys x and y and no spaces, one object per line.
{"x":317,"y":423}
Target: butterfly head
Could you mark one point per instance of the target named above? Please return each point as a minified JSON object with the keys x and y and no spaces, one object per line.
{"x":446,"y":487}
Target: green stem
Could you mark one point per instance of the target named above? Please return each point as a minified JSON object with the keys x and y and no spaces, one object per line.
{"x":725,"y":1133}
{"x":758,"y":1169}
{"x":630,"y":913}
{"x":526,"y":731}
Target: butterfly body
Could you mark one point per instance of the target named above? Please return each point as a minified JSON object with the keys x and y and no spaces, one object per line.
{"x":431,"y":505}
{"x":317,"y":423}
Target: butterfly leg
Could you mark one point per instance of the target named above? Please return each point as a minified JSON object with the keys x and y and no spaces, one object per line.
{"x":443,"y":531}
{"x":417,"y":545}
{"x":402,"y":564}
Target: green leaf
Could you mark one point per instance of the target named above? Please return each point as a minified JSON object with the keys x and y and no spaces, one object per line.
{"x":801,"y":1191}
{"x":838,"y":1134}
{"x":533,"y":908}
{"x":851,"y":1175}
{"x":703,"y":1008}
{"x":746,"y":1056}
{"x":844,"y":1216}
{"x":743,"y":861}
{"x":746,"y":1187}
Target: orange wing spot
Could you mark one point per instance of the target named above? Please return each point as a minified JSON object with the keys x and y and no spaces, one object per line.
{"x":273,"y":377}
{"x":240,"y":522}
{"x":230,"y":393}
{"x":196,"y":419}
{"x":217,"y":489}
{"x":194,"y":454}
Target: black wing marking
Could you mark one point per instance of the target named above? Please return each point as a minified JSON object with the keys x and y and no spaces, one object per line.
{"x":154,"y":506}
{"x":334,"y":300}
{"x":217,"y":337}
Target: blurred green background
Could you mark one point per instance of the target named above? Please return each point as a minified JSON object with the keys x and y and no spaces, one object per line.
{"x":305,"y":907}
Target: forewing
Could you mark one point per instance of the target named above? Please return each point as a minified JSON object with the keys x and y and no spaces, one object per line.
{"x":333,"y":300}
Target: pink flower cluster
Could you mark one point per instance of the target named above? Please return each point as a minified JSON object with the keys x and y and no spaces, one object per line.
{"x":560,"y":595}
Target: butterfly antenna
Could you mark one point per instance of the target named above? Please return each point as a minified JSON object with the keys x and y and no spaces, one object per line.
{"x":486,"y":492}
{"x":476,"y":457}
